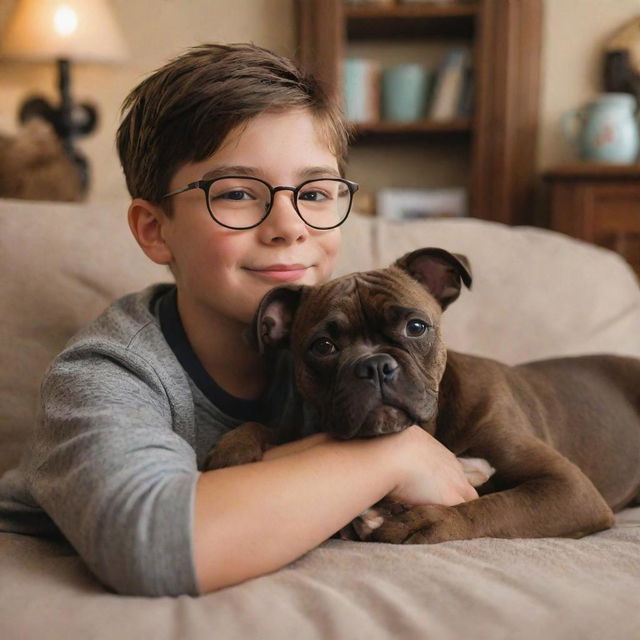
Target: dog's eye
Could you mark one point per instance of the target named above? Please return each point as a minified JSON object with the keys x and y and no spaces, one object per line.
{"x":323,"y":347}
{"x":416,"y":328}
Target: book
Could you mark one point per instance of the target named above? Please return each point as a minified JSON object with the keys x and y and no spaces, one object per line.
{"x":465,"y":103}
{"x":361,"y":90}
{"x":448,"y":85}
{"x":409,"y":204}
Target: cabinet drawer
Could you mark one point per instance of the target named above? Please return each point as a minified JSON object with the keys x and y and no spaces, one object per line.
{"x":598,"y":203}
{"x":612,"y":210}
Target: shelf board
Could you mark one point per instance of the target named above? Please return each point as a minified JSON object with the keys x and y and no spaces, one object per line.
{"x":412,"y":20}
{"x":422,"y":127}
{"x":594,"y":171}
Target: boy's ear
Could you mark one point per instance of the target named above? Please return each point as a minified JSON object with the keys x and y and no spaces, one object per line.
{"x":271,"y":326}
{"x":441,"y":273}
{"x":146,"y":222}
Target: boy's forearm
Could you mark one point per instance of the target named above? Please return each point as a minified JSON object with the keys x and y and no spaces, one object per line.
{"x":296,"y":446}
{"x":254,"y":519}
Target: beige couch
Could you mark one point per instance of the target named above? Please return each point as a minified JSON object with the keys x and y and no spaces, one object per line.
{"x":536,"y":294}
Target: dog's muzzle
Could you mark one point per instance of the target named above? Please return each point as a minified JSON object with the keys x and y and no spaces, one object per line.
{"x":379,"y":368}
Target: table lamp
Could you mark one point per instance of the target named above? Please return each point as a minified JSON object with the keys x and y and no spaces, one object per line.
{"x":65,"y":31}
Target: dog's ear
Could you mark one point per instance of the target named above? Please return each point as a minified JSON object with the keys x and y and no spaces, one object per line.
{"x":271,"y":325}
{"x":441,"y":273}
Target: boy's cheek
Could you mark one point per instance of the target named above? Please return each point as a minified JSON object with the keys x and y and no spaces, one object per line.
{"x":331,"y":250}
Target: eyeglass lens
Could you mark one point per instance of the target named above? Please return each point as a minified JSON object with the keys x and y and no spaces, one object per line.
{"x":243,"y":202}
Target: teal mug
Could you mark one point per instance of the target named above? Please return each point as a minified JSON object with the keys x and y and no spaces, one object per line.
{"x":604,"y":130}
{"x":404,"y":92}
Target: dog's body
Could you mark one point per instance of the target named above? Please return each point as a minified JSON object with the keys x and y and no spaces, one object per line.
{"x":563,"y":435}
{"x":585,"y":408}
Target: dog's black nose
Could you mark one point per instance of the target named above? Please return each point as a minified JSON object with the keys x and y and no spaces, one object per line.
{"x":380,"y":366}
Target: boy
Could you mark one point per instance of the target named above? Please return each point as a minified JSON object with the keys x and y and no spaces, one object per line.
{"x":132,"y":405}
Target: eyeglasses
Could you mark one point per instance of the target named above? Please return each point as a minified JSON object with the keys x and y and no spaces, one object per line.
{"x":239,"y":202}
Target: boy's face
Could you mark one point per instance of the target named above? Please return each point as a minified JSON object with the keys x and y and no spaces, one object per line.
{"x":223,"y":272}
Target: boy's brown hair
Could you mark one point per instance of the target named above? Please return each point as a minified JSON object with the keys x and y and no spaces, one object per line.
{"x":183,"y":112}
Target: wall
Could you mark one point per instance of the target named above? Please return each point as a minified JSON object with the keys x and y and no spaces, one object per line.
{"x":575,"y":32}
{"x":155,"y":30}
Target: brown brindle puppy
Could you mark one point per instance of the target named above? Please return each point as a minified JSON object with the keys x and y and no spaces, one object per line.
{"x":563,"y":435}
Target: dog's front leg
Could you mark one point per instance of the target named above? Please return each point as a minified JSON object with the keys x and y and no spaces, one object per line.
{"x":246,"y":443}
{"x":545,"y":495}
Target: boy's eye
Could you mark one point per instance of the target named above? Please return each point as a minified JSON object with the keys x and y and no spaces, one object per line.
{"x":415,"y":328}
{"x":323,"y":347}
{"x":313,"y":195}
{"x":232,"y":195}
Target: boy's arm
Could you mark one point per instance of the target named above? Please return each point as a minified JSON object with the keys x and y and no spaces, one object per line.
{"x":253,"y":519}
{"x":109,"y":470}
{"x":123,"y":487}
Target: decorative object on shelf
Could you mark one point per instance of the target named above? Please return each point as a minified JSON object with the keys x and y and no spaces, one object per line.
{"x":622,"y":60}
{"x":63,"y":30}
{"x":35,"y":166}
{"x":404,"y":92}
{"x":411,"y":204}
{"x":361,"y":90}
{"x":604,"y":130}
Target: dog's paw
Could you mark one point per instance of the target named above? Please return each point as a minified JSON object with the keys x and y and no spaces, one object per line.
{"x":426,"y":524}
{"x":222,"y":456}
{"x":476,"y":470}
{"x":371,"y":519}
{"x":246,"y":443}
{"x":367,"y":522}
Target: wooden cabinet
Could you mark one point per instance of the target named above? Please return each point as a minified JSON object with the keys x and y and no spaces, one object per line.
{"x":498,"y":142}
{"x":598,"y":203}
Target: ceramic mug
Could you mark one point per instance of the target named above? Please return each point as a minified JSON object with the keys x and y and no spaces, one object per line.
{"x":604,"y":130}
{"x":404,"y":92}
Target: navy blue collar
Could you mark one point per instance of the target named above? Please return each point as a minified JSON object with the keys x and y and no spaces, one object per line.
{"x":259,"y":410}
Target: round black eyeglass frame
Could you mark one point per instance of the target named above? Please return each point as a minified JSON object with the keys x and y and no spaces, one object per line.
{"x":205,"y":185}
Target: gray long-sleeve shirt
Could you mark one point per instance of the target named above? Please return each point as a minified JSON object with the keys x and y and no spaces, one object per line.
{"x":114,"y":458}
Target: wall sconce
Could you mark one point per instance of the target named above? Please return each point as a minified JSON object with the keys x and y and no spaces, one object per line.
{"x":65,"y":31}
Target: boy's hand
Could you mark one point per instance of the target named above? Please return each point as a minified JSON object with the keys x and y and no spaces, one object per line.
{"x":428,"y":473}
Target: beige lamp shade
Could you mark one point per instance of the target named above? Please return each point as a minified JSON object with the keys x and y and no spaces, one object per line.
{"x":78,"y":30}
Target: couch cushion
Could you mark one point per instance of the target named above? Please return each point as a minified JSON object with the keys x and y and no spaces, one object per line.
{"x":357,"y":250}
{"x":535,"y":293}
{"x":62,"y":264}
{"x":484,"y":589}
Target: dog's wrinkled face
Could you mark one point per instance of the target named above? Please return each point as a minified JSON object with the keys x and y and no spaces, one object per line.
{"x":367,"y":349}
{"x":368,"y":353}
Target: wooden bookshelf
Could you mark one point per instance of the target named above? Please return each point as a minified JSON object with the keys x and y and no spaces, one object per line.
{"x":411,"y":20}
{"x":420,"y":128}
{"x":413,"y":10}
{"x":504,"y":37}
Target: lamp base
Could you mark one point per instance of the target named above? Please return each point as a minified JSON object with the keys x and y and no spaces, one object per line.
{"x":68,"y":120}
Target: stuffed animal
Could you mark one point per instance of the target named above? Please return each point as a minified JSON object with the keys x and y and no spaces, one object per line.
{"x":35,"y":166}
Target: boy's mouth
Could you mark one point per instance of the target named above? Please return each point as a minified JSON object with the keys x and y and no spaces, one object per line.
{"x":280,"y":272}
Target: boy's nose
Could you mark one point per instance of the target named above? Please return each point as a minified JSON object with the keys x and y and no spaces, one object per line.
{"x":283,"y":224}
